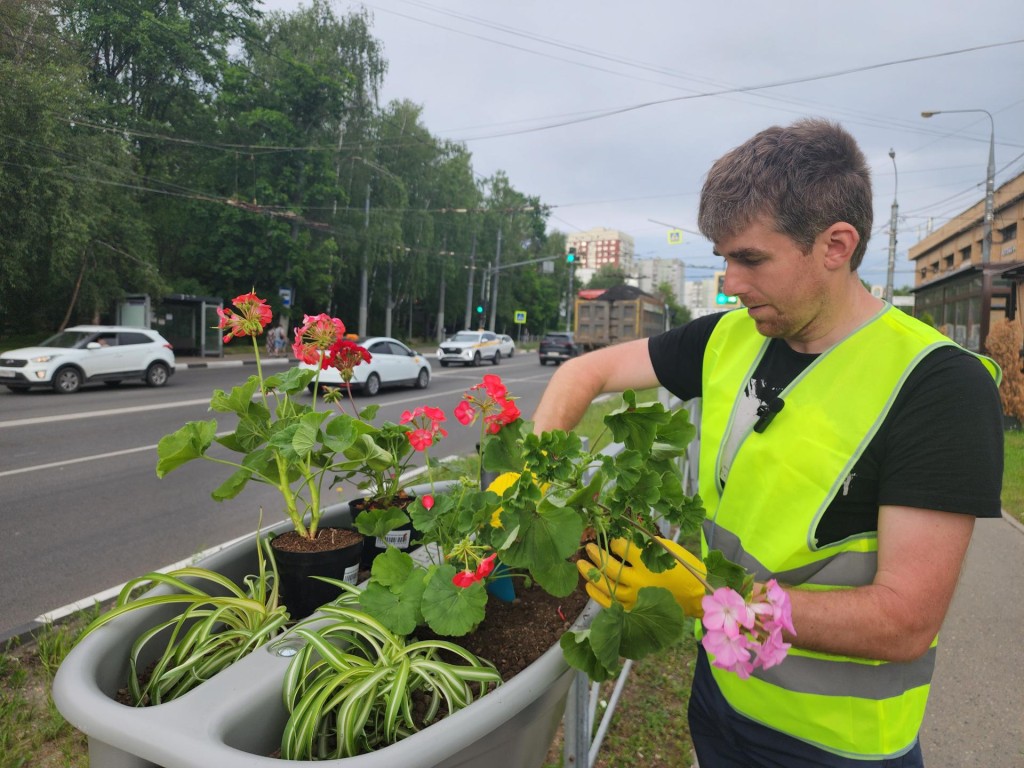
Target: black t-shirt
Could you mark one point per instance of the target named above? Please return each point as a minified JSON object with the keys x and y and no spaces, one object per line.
{"x":940,"y":446}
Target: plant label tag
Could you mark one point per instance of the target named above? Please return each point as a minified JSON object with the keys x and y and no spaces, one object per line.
{"x":398,"y":539}
{"x":351,"y":574}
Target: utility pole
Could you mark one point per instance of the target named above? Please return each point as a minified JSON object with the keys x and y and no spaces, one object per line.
{"x":569,"y":304}
{"x":363,"y":280}
{"x":892,"y":231}
{"x":469,"y":286}
{"x":441,"y":298}
{"x":494,"y":292}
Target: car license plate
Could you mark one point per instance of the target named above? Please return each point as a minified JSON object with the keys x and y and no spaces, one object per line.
{"x":6,"y":374}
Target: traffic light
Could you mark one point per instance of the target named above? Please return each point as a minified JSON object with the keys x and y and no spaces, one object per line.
{"x":479,"y":309}
{"x":570,"y":257}
{"x":721,"y":297}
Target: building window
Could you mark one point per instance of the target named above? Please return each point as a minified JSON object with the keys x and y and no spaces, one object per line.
{"x":948,"y":262}
{"x":1009,"y":233}
{"x":965,"y":254}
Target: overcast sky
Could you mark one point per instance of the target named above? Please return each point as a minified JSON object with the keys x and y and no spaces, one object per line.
{"x":612,"y":112}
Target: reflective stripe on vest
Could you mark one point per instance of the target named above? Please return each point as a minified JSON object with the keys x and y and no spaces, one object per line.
{"x":766,"y":520}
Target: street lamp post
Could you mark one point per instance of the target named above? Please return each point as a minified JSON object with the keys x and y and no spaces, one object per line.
{"x":892,"y":230}
{"x":990,"y":181}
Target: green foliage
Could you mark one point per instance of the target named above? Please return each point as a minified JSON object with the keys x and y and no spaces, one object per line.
{"x":295,"y":448}
{"x":551,"y":489}
{"x":212,"y":628}
{"x":354,"y":686}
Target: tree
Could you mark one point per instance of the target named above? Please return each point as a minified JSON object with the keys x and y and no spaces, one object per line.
{"x":677,"y":313}
{"x":72,"y":236}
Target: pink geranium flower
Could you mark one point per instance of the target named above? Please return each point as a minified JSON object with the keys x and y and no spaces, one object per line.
{"x":726,"y":610}
{"x":730,"y":652}
{"x":742,"y":637}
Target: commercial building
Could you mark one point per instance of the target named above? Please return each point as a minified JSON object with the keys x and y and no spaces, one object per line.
{"x":954,"y":289}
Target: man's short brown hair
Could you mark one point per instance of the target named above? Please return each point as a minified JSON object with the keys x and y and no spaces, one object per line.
{"x":803,"y":178}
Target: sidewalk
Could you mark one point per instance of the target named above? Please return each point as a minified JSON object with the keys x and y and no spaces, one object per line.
{"x":975,"y":715}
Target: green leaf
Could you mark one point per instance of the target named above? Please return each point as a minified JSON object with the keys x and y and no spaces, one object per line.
{"x":653,"y":623}
{"x":558,"y":579}
{"x":674,"y":436}
{"x":392,"y":567}
{"x":397,"y":608}
{"x":503,"y":452}
{"x":367,"y":453}
{"x":635,"y":426}
{"x":580,"y":655}
{"x":547,"y":536}
{"x":341,"y":432}
{"x":232,"y":486}
{"x":725,"y":573}
{"x":451,"y":610}
{"x":688,"y":515}
{"x":369,"y":412}
{"x":291,"y":381}
{"x":188,"y":443}
{"x":305,"y":438}
{"x":380,"y":522}
{"x":238,"y":400}
{"x":425,"y":520}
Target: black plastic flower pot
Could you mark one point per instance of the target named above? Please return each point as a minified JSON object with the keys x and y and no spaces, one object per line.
{"x":300,"y":591}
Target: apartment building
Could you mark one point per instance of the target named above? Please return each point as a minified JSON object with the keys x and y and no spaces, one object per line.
{"x":600,"y":246}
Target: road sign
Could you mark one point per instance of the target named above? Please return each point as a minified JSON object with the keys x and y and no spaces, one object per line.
{"x":675,"y":237}
{"x":520,"y":316}
{"x":286,"y":296}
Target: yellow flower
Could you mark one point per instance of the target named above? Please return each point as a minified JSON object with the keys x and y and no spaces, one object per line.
{"x":499,"y":485}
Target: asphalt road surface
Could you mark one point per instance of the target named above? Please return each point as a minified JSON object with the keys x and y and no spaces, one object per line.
{"x":84,"y":511}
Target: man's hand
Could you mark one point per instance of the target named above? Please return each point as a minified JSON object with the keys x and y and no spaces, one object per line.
{"x":622,"y":574}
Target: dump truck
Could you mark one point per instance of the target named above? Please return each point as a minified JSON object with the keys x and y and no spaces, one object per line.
{"x":620,"y":313}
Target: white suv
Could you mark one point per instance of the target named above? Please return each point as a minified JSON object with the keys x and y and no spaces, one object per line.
{"x":470,"y":348}
{"x":86,"y":353}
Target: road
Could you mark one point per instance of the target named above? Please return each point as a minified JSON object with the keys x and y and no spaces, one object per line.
{"x":84,"y":510}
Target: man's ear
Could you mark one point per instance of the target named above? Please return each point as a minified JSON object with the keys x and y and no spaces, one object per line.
{"x":840,"y":241}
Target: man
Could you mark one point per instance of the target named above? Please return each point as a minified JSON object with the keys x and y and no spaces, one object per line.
{"x":846,"y":450}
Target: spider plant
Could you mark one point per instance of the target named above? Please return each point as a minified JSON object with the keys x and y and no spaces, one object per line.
{"x":216,"y":626}
{"x":351,"y":689}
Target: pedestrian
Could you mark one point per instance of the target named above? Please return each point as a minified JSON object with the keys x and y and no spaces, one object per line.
{"x":276,"y":338}
{"x":846,"y":450}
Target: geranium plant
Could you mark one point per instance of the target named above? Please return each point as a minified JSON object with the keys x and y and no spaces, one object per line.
{"x":552,"y":493}
{"x":280,"y":441}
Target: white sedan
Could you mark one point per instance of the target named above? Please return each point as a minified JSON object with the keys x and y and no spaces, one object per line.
{"x":391,"y":364}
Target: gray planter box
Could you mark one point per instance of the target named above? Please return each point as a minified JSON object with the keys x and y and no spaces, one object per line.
{"x":235,"y":720}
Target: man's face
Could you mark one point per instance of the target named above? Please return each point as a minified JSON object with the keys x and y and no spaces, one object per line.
{"x":783,"y":288}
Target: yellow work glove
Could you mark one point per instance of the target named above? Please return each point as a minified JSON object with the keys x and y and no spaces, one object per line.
{"x":626,"y":573}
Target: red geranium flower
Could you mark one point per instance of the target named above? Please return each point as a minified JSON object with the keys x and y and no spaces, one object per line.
{"x":486,"y":566}
{"x":253,"y":316}
{"x":317,"y":339}
{"x":347,"y":355}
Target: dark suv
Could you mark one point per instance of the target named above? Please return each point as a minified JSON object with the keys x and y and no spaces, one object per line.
{"x":557,"y":347}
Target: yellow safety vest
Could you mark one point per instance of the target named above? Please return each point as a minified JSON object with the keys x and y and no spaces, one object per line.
{"x":779,"y":485}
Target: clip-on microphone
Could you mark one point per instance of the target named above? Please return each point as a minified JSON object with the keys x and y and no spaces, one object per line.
{"x":766,"y":412}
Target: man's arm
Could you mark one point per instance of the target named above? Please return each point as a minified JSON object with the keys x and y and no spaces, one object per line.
{"x":920,"y":553}
{"x":579,"y":380}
